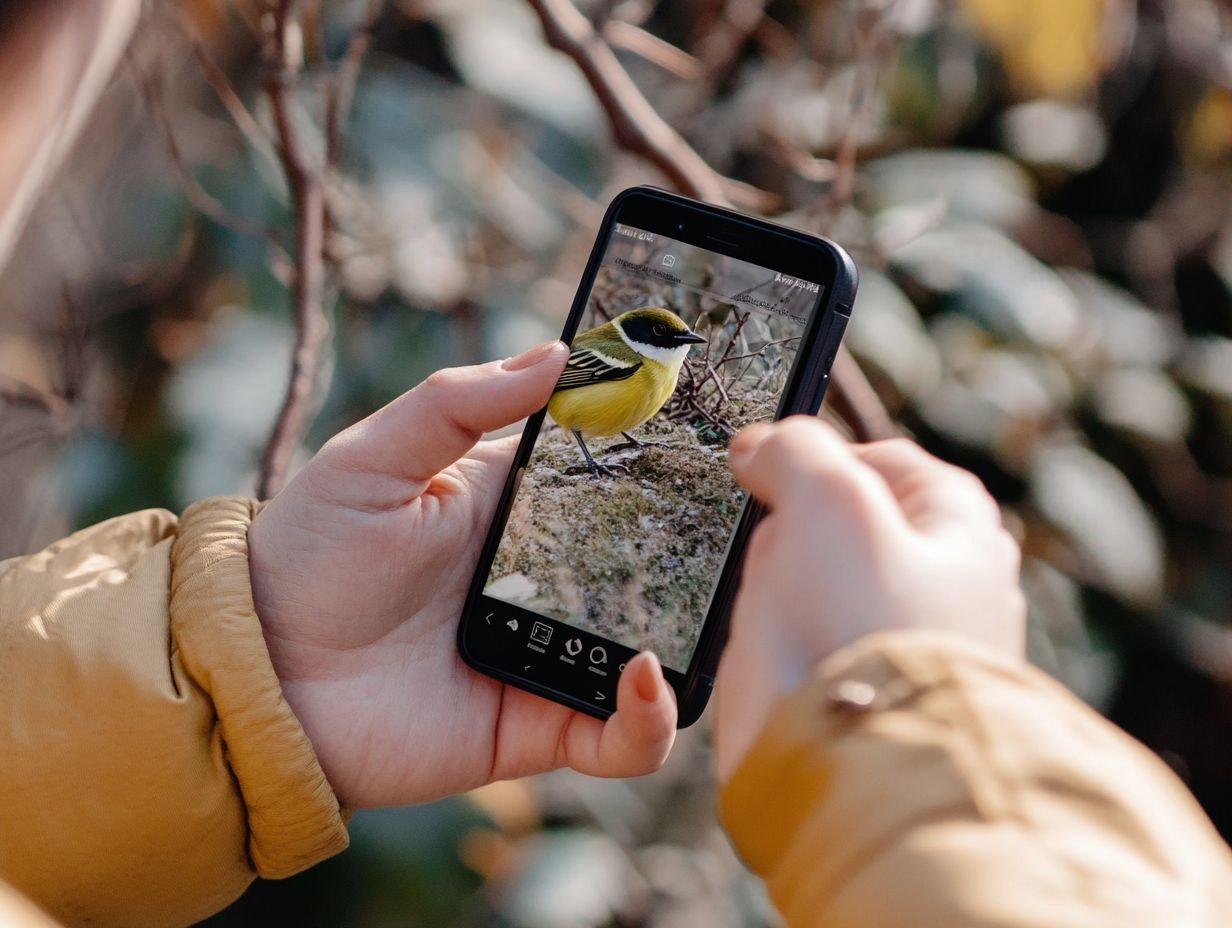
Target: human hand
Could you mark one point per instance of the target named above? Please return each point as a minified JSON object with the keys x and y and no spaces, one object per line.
{"x":359,"y":572}
{"x":858,"y":539}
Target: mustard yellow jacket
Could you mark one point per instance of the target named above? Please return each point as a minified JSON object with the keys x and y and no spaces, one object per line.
{"x":149,"y":767}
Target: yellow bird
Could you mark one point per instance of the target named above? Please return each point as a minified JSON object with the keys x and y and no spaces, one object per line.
{"x":619,"y":374}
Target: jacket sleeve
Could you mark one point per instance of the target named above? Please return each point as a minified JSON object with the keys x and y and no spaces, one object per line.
{"x":917,"y":780}
{"x":149,"y":766}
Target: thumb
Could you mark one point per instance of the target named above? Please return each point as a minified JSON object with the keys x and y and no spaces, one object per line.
{"x":428,"y":428}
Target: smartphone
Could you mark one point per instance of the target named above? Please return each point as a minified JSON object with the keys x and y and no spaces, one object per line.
{"x":620,"y":528}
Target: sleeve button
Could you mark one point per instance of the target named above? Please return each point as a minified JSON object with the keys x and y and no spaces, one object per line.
{"x":852,"y":697}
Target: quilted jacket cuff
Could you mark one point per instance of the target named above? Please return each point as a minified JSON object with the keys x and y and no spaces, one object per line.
{"x":294,"y":820}
{"x":884,"y":697}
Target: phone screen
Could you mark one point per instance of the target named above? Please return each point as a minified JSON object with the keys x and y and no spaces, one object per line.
{"x":626,"y":509}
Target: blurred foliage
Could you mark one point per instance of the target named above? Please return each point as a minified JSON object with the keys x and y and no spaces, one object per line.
{"x":1040,"y":209}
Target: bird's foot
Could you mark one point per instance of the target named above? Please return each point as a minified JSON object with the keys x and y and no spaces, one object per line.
{"x":596,"y":470}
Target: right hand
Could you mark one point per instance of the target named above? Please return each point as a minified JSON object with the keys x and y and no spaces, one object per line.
{"x":858,"y":539}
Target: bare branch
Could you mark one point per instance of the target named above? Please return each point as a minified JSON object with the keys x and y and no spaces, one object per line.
{"x":638,"y":128}
{"x":855,"y":401}
{"x":282,"y":65}
{"x":634,"y":123}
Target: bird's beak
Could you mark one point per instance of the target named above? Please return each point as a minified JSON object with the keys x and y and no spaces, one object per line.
{"x":688,"y":337}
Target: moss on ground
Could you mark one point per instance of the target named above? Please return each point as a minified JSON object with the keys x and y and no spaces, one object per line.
{"x":632,"y":557}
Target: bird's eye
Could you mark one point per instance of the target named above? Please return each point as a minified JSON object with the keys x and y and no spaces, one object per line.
{"x":659,"y":329}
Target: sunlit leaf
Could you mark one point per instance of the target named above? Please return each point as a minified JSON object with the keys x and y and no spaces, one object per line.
{"x":991,"y":278}
{"x":886,"y":330}
{"x":980,"y":186}
{"x":1144,"y":401}
{"x":1116,"y":541}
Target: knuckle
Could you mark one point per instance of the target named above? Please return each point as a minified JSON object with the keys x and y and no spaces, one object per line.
{"x":1010,"y":550}
{"x":968,"y":483}
{"x":1016,"y":605}
{"x":901,"y":445}
{"x":440,"y":380}
{"x":343,"y":451}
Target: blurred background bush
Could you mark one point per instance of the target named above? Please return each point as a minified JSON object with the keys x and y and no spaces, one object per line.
{"x":1037,"y":192}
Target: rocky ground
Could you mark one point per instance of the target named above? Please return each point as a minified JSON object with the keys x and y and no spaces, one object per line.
{"x":633,"y":557}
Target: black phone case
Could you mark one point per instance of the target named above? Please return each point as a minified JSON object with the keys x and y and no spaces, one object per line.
{"x":804,"y":394}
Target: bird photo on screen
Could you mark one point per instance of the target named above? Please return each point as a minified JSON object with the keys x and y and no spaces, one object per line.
{"x":619,"y":374}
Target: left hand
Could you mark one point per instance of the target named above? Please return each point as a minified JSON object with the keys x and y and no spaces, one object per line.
{"x":359,"y":572}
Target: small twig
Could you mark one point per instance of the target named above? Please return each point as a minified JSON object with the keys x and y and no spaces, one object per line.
{"x":342,"y":83}
{"x":229,"y":97}
{"x":760,"y":351}
{"x":649,"y":46}
{"x":723,"y":398}
{"x":710,"y":418}
{"x":200,"y":198}
{"x":339,"y":95}
{"x":721,"y":44}
{"x":731,"y":342}
{"x":307,"y":278}
{"x":807,"y":166}
{"x":872,"y":48}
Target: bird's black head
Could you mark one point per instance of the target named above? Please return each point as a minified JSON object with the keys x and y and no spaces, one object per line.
{"x":659,"y":328}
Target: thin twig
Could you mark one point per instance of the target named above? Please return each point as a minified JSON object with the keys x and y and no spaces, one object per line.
{"x":307,"y":278}
{"x":731,"y":342}
{"x":723,"y":398}
{"x":200,"y":198}
{"x":721,"y":43}
{"x":760,"y":351}
{"x":231,"y":101}
{"x":339,"y":95}
{"x":874,"y":41}
{"x":649,"y":46}
{"x":342,"y":83}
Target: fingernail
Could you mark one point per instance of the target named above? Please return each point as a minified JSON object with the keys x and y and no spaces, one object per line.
{"x":531,"y":357}
{"x":648,"y":681}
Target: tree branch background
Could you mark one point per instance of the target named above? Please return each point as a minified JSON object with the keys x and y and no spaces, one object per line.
{"x":287,"y":213}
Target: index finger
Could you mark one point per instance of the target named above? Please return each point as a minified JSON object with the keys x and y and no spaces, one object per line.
{"x":930,"y":492}
{"x":800,"y":460}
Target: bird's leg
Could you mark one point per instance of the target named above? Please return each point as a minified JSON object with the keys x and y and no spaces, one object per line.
{"x":597,"y":469}
{"x":631,"y":442}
